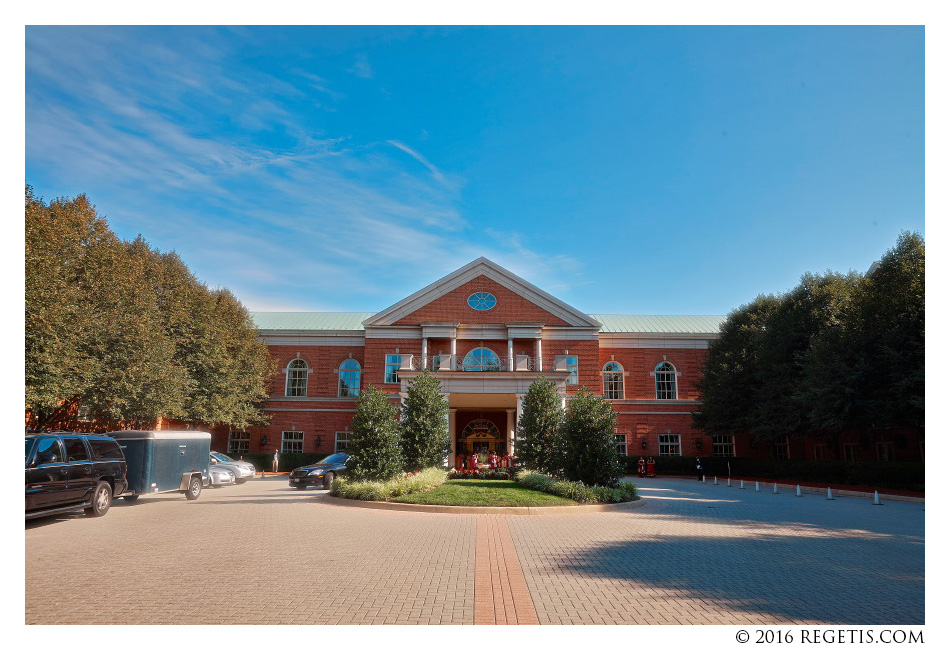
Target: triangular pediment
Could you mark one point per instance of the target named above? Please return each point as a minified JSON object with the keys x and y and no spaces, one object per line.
{"x":482,"y":273}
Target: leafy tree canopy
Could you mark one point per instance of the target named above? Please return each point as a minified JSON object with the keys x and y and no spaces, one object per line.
{"x":127,"y":333}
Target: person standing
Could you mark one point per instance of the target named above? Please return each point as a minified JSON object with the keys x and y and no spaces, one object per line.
{"x":641,"y":467}
{"x":699,"y":469}
{"x":276,"y":459}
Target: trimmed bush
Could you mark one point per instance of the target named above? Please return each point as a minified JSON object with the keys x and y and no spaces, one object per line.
{"x":577,"y":491}
{"x":408,"y":483}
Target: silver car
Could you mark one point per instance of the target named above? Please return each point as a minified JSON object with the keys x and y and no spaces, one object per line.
{"x":221,"y":476}
{"x":242,"y":470}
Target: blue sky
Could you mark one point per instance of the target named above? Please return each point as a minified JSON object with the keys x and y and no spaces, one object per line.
{"x":640,"y":170}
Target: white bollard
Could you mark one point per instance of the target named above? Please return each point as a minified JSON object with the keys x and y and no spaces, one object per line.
{"x":741,"y":484}
{"x":775,"y":488}
{"x":830,"y":498}
{"x":798,"y":490}
{"x":757,"y":487}
{"x":877,"y":499}
{"x":715,"y":480}
{"x":729,"y":482}
{"x":704,"y":479}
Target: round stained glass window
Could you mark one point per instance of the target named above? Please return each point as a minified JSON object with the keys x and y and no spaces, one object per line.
{"x":481,"y":301}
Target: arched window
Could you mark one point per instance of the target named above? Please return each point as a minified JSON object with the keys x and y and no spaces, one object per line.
{"x":613,"y":380}
{"x":665,"y":376}
{"x":481,"y":359}
{"x":297,"y":372}
{"x":349,"y":378}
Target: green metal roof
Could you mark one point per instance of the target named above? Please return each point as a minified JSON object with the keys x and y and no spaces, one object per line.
{"x":624,"y":324}
{"x":310,"y":320}
{"x":612,"y":323}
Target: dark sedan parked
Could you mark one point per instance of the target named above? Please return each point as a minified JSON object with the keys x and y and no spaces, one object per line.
{"x":319,"y":474}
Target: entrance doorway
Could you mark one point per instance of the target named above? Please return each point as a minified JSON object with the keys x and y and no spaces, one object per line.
{"x":481,"y":435}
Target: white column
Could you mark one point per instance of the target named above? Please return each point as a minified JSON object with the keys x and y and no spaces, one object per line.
{"x":425,"y":353}
{"x":511,"y":428}
{"x":511,"y":355}
{"x":453,"y":353}
{"x":538,"y":354}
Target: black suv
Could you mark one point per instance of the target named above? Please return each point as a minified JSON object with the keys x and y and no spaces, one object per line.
{"x":72,"y":471}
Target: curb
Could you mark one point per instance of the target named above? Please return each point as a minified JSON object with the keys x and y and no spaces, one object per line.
{"x":496,"y":510}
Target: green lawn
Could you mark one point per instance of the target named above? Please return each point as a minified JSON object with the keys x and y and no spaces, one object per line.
{"x":472,"y":492}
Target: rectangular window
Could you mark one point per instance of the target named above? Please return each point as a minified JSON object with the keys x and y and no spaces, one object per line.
{"x":670,"y":444}
{"x":821,"y":451}
{"x":342,"y":441}
{"x":567,"y":362}
{"x":724,"y":446}
{"x":393,"y":361}
{"x":621,"y":439}
{"x":781,"y":449}
{"x":850,"y":451}
{"x":291,"y":442}
{"x":75,"y":449}
{"x":239,"y":442}
{"x":885,"y":450}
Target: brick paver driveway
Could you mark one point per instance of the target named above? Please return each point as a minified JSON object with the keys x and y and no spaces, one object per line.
{"x":693,"y":554}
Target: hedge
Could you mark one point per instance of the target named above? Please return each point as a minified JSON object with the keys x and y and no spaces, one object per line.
{"x":287,"y":461}
{"x":896,"y":475}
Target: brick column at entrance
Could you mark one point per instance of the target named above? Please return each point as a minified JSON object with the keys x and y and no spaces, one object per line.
{"x":501,"y":592}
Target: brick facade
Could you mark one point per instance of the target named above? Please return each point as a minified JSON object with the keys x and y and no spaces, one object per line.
{"x":425,"y":324}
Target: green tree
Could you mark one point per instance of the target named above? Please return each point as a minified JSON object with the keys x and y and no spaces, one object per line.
{"x":538,"y":446}
{"x":731,"y":370}
{"x":128,"y":333}
{"x":867,"y":369}
{"x":425,"y":433}
{"x":375,"y":443}
{"x":590,"y":451}
{"x":801,"y":314}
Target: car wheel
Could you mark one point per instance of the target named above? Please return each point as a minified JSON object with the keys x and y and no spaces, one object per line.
{"x":328,"y":480}
{"x":194,"y":489}
{"x":101,"y":500}
{"x":131,"y":497}
{"x":301,"y":487}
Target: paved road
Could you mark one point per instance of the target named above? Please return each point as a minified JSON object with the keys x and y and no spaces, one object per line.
{"x":693,"y":554}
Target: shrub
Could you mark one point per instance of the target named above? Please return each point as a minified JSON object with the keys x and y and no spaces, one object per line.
{"x":425,"y":436}
{"x":590,"y":450}
{"x":576,"y":490}
{"x":408,"y":483}
{"x":539,"y":428}
{"x":375,"y":446}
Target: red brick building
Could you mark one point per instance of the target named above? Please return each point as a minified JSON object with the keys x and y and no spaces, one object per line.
{"x":487,"y":334}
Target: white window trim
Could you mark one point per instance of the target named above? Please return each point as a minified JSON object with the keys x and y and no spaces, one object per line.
{"x":339,"y":382}
{"x":731,"y":445}
{"x":387,"y":363}
{"x":287,"y":373}
{"x":336,"y":441}
{"x":575,"y":375}
{"x":617,"y":435}
{"x":245,"y":437}
{"x":603,"y":380}
{"x":669,"y":443}
{"x":284,"y":439}
{"x":676,"y":383}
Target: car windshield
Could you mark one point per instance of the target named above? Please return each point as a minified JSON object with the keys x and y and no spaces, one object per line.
{"x":335,"y":458}
{"x":222,"y":457}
